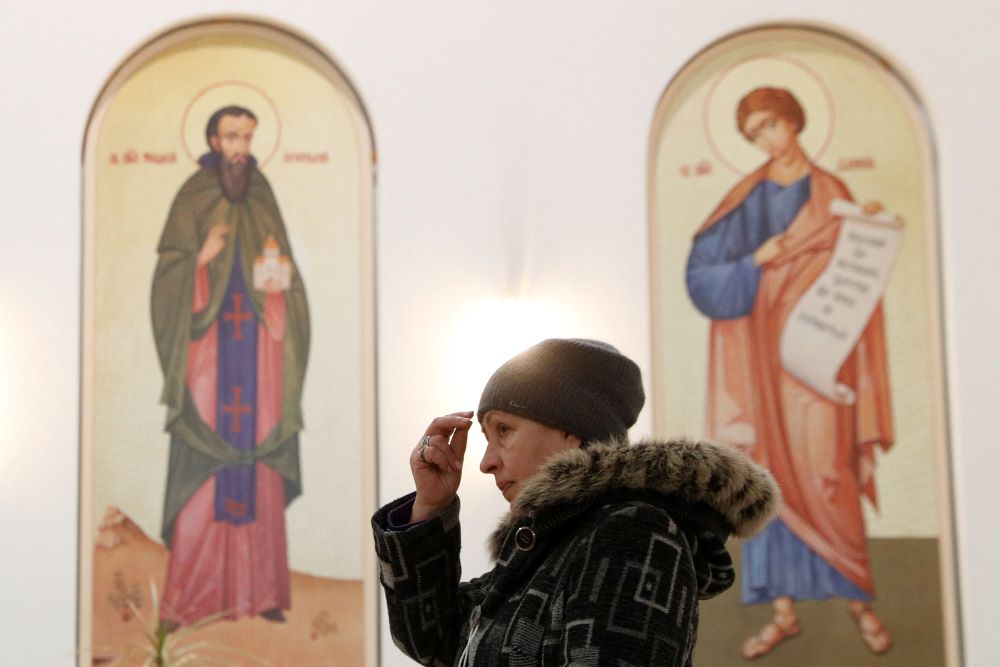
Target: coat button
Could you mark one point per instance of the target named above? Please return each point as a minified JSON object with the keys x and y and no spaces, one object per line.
{"x":524,"y":538}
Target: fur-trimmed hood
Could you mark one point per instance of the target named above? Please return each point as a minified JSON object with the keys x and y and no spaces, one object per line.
{"x":725,"y":481}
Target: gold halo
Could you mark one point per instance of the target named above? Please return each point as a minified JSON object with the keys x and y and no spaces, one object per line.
{"x":766,"y":69}
{"x":211,"y":98}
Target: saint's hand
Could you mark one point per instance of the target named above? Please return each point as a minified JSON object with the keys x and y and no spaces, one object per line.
{"x":272,"y":286}
{"x":436,"y":463}
{"x":214,"y":243}
{"x":770,"y":249}
{"x":873,"y":207}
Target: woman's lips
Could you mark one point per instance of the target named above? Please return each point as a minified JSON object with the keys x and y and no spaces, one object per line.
{"x":504,"y":487}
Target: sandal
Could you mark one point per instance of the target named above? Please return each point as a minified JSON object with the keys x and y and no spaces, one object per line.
{"x":873,"y":632}
{"x":769,"y":636}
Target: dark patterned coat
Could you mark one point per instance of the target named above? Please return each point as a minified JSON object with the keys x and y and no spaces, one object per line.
{"x":601,"y":561}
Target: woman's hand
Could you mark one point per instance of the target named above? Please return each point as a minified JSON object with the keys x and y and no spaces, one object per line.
{"x":436,"y":463}
{"x":770,"y":249}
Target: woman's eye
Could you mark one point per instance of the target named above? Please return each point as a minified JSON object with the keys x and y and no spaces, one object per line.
{"x":503,"y":429}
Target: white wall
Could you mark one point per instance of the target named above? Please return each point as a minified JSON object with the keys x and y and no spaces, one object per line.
{"x":491,"y":119}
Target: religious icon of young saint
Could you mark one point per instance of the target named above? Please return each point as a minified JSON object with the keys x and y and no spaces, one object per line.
{"x":231,"y":326}
{"x":751,"y":261}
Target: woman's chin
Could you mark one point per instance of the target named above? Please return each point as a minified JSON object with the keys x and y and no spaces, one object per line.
{"x":509,"y":493}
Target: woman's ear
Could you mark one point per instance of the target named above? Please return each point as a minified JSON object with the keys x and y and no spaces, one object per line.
{"x":572,"y":440}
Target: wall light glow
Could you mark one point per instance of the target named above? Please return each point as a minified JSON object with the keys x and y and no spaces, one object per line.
{"x":6,"y":378}
{"x":484,"y":335}
{"x":11,"y":375}
{"x":489,"y":333}
{"x":20,"y":401}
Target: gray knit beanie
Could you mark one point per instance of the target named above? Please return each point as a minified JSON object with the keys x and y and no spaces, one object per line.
{"x":585,"y":387}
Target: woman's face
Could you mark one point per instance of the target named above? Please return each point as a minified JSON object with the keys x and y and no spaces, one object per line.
{"x":770,"y":132}
{"x":516,"y":447}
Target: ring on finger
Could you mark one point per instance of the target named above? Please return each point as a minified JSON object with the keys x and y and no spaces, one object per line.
{"x":425,"y":442}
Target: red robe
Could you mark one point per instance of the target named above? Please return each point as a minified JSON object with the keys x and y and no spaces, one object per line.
{"x":821,"y":453}
{"x":217,"y":567}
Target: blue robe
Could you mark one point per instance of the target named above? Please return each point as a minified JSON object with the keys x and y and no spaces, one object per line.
{"x":722,"y":279}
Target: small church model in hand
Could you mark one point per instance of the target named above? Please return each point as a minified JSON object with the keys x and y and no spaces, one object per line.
{"x":272,"y":266}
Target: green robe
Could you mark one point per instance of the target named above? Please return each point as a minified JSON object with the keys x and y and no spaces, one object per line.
{"x":196,"y":451}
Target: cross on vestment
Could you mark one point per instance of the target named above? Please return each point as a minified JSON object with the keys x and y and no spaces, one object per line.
{"x":236,"y":410}
{"x":235,"y":507}
{"x":238,"y":316}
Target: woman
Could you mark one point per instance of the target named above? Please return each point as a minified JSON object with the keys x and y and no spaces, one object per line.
{"x":607,"y":547}
{"x":751,"y":261}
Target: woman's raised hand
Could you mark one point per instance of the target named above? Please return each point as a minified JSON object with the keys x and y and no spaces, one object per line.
{"x":436,"y":463}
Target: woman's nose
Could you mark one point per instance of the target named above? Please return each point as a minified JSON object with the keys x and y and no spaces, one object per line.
{"x":489,"y":462}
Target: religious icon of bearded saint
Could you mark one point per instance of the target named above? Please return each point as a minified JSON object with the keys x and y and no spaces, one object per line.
{"x":233,"y":351}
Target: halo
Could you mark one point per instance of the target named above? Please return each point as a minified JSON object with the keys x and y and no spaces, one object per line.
{"x":766,"y":69}
{"x":211,"y":98}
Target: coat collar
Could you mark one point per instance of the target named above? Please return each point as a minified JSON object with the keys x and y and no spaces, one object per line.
{"x":717,"y":477}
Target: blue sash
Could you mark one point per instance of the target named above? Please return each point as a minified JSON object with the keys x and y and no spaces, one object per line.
{"x":236,"y":397}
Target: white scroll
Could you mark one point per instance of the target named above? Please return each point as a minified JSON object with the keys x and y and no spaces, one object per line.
{"x":825,"y":324}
